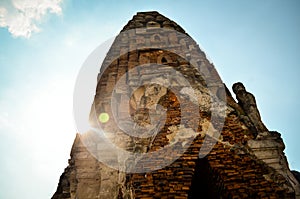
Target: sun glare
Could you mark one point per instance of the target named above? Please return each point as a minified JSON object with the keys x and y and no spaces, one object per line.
{"x":49,"y":127}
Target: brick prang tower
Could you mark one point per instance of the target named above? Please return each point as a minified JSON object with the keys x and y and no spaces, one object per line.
{"x":247,"y":160}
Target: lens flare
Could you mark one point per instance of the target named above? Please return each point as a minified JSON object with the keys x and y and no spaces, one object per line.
{"x":103,"y":117}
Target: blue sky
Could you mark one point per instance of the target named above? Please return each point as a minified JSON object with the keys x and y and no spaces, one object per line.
{"x":43,"y":47}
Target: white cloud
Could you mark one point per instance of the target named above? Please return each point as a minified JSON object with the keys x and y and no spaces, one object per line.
{"x":3,"y":13}
{"x":21,"y":17}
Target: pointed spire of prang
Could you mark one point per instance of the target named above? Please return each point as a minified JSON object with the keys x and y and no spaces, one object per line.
{"x":152,"y":19}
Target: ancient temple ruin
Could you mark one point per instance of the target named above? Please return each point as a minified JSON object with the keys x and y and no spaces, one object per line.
{"x":156,"y":77}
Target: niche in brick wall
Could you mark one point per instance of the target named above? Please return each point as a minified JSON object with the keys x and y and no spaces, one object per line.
{"x":202,"y":185}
